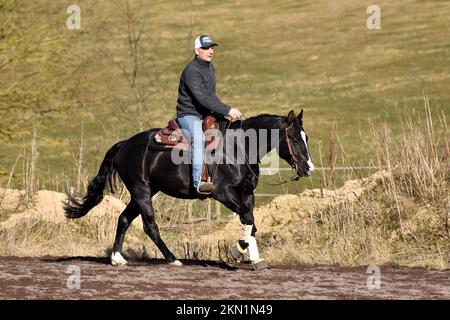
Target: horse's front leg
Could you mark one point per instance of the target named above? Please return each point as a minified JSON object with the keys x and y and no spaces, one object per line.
{"x":243,"y":205}
{"x":247,"y":244}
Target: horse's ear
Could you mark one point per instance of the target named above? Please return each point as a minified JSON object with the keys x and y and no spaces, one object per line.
{"x":300,"y":115}
{"x":291,"y":117}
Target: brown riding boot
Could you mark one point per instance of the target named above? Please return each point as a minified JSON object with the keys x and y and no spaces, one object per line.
{"x":205,"y":187}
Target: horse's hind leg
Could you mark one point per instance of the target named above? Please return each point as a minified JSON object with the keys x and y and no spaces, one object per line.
{"x":124,"y":221}
{"x":143,"y":200}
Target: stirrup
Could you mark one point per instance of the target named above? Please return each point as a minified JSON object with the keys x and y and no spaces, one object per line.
{"x":205,"y":187}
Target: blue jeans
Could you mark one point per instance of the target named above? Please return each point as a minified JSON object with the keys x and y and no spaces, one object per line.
{"x":192,"y":128}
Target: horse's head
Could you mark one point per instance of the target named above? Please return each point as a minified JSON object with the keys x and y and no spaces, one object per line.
{"x":293,"y":146}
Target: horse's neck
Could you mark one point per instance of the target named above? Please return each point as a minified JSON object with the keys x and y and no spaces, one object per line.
{"x":269,"y":138}
{"x":265,"y":122}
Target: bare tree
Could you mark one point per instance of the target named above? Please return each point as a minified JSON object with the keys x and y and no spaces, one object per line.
{"x":134,"y":65}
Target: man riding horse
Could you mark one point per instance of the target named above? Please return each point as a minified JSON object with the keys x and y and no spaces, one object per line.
{"x":146,"y":169}
{"x":197,"y":98}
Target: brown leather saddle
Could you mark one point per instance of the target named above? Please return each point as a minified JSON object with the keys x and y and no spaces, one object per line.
{"x":173,"y":137}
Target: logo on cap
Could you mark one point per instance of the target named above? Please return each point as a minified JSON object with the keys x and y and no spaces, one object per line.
{"x":204,"y":41}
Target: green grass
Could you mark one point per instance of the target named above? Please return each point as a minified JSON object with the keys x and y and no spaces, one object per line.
{"x":273,"y":57}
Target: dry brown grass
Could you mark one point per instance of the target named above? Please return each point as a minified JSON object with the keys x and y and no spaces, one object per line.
{"x":402,"y":220}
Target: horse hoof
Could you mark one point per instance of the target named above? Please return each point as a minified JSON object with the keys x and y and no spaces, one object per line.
{"x":237,"y":252}
{"x":260,"y":265}
{"x":117,"y":259}
{"x":176,"y":263}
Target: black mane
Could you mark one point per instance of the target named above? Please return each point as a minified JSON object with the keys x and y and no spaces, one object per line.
{"x":260,"y":121}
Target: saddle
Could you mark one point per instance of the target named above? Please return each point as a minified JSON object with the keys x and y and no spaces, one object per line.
{"x":173,"y":137}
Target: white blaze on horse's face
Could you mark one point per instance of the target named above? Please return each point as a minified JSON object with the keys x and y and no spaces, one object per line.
{"x":309,"y":162}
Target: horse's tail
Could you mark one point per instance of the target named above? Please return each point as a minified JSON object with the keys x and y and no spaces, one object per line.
{"x":74,"y":208}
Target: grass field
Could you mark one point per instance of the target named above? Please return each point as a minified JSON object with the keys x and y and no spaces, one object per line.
{"x":274,"y":56}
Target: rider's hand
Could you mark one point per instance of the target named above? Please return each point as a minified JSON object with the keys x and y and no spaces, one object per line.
{"x":234,"y":114}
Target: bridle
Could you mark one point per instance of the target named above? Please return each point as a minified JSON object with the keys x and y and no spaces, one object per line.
{"x":294,"y":161}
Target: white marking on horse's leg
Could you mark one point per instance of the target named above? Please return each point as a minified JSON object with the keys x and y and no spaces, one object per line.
{"x":246,"y":231}
{"x":117,"y":259}
{"x":176,"y":263}
{"x":253,"y":249}
{"x":236,"y":250}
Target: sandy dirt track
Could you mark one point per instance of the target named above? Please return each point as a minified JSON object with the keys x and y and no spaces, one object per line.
{"x":49,"y":277}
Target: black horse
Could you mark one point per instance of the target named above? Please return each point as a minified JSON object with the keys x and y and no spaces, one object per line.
{"x":145,"y":172}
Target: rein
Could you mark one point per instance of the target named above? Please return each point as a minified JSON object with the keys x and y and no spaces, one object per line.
{"x":293,"y":160}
